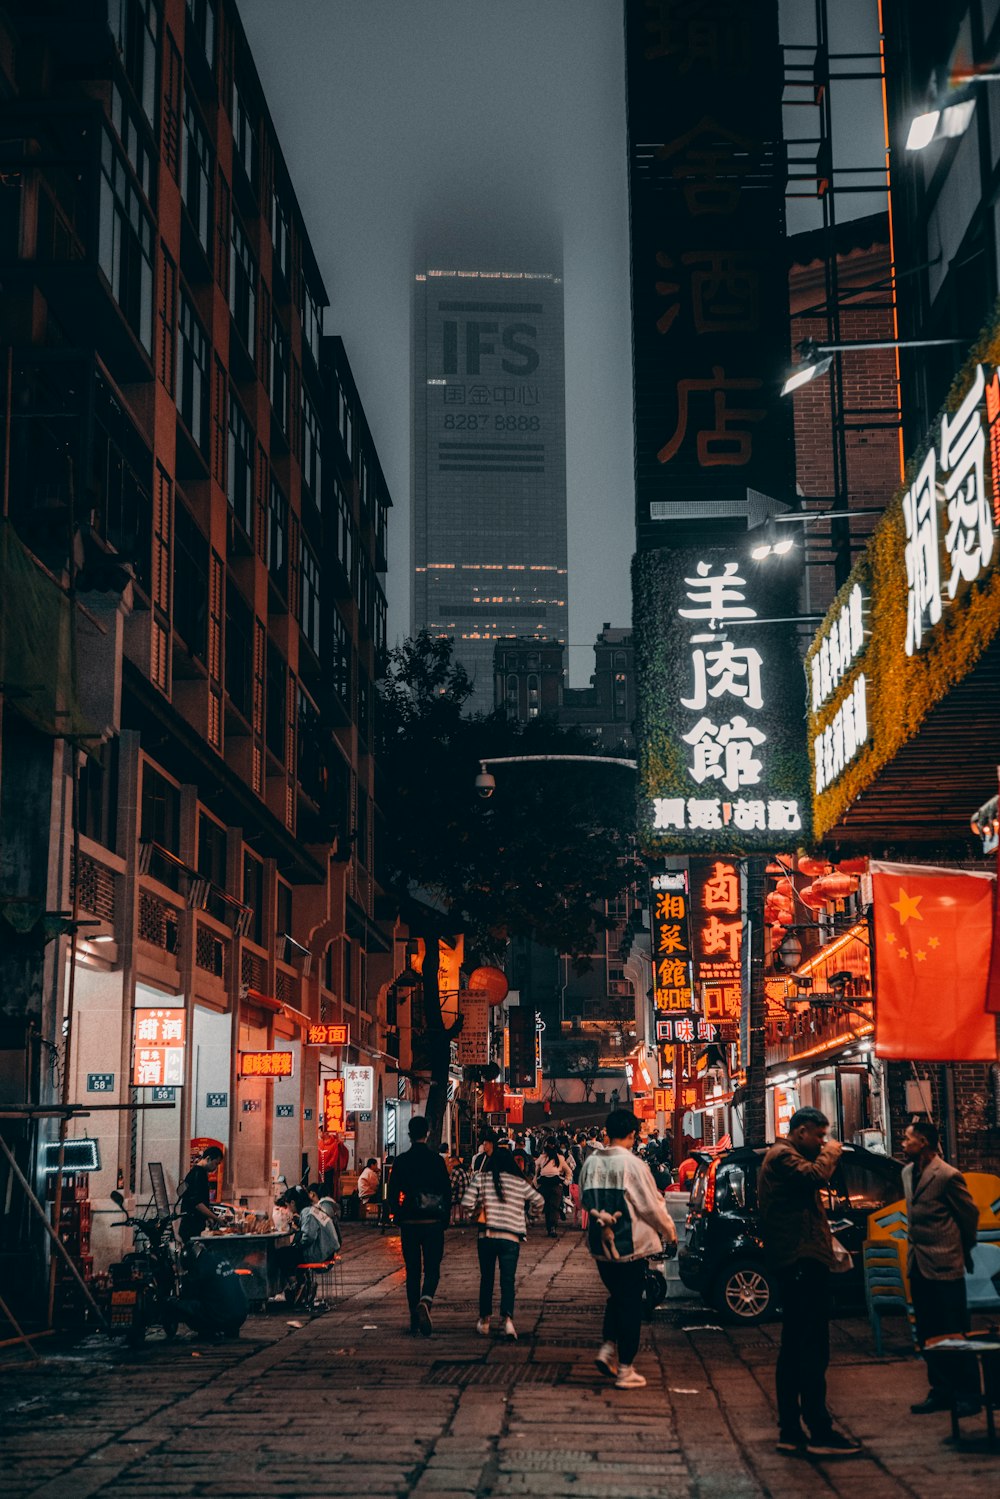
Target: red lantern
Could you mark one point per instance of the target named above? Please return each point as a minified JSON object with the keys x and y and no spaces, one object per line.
{"x":836,"y":886}
{"x":493,"y":981}
{"x":812,"y":897}
{"x":853,"y":866}
{"x":776,"y":869}
{"x":813,"y":867}
{"x":784,"y":887}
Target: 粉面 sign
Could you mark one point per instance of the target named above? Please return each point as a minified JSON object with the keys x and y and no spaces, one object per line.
{"x":326,"y":1034}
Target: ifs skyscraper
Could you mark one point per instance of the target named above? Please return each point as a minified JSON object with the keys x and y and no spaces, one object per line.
{"x":489,"y":459}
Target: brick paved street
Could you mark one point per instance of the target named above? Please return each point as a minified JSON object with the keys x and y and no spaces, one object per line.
{"x":347,"y":1406}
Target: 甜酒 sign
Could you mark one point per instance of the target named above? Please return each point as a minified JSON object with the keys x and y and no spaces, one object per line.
{"x":158,"y":1040}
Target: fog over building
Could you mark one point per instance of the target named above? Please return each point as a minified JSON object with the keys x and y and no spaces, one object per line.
{"x":489,"y":453}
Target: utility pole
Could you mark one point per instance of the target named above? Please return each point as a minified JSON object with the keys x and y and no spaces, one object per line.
{"x":754,"y":1128}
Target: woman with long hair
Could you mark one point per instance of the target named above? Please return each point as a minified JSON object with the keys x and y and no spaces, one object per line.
{"x":554,"y":1175}
{"x":498,"y":1199}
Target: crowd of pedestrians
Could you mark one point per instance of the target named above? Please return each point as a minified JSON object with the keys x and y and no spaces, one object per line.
{"x":611,"y":1184}
{"x":595,"y":1180}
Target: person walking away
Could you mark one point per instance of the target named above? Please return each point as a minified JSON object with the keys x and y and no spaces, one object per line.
{"x":627,"y":1222}
{"x":553,"y":1176}
{"x":487,"y":1144}
{"x":368,"y":1185}
{"x":942,"y":1220}
{"x":419,"y":1199}
{"x":799,"y":1245}
{"x":196,"y":1200}
{"x":499,"y":1200}
{"x":460,"y":1178}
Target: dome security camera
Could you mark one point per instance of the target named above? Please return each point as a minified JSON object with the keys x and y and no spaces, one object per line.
{"x":485,"y":785}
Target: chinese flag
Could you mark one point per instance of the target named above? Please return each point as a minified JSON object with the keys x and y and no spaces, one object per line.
{"x":933,"y":933}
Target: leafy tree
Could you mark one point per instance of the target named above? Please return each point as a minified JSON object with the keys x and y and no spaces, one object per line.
{"x":536,"y":860}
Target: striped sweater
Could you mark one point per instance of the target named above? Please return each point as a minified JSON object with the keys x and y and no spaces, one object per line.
{"x":628,"y":1217}
{"x":505,"y":1219}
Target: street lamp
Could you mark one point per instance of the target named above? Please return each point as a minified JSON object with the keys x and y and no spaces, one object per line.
{"x":949,"y":109}
{"x":773,"y":544}
{"x":816,"y":358}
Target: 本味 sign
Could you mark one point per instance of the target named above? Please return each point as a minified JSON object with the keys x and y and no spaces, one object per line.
{"x":722,"y":756}
{"x":358,"y":1088}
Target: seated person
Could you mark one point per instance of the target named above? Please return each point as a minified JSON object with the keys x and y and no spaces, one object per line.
{"x":211,"y":1299}
{"x":368,"y":1183}
{"x":319,"y":1226}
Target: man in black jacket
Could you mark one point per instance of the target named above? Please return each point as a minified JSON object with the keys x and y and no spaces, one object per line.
{"x":419,"y":1200}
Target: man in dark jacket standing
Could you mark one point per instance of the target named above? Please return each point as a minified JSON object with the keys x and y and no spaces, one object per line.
{"x":419,"y":1200}
{"x":799,"y":1245}
{"x":942,"y":1221}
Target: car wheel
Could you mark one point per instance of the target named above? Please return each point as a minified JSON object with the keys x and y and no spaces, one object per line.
{"x":743,"y":1292}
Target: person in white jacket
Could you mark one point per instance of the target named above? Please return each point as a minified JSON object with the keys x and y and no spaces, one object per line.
{"x":628,"y":1222}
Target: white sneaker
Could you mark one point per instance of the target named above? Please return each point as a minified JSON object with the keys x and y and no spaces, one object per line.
{"x":509,"y":1330}
{"x":483,"y":1327}
{"x":607,"y":1360}
{"x":629,"y":1378}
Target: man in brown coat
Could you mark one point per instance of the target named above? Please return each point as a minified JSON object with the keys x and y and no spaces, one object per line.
{"x":942,"y":1220}
{"x":799,"y":1245}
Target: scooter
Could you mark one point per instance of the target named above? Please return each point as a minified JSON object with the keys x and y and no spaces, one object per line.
{"x":144,"y":1282}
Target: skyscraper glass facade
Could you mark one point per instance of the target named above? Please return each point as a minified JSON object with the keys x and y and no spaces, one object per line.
{"x":489,"y":461}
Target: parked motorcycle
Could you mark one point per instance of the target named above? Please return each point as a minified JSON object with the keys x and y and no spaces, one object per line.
{"x":144,"y":1282}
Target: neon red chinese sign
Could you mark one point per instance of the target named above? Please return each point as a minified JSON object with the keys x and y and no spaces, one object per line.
{"x":266,"y":1064}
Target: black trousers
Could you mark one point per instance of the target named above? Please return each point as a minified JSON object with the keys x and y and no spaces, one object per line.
{"x":624,"y":1280}
{"x":940,"y":1307}
{"x":551,"y":1188}
{"x":423,"y":1251}
{"x":800,"y":1374}
{"x":494,"y":1252}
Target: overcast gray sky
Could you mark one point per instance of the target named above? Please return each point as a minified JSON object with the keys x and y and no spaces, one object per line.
{"x":510,"y":111}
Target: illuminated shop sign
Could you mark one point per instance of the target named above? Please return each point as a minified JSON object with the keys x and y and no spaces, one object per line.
{"x":839,"y":648}
{"x":717,"y":925}
{"x":721,"y":749}
{"x":671,"y":942}
{"x":158,"y":1038}
{"x":679,"y":1030}
{"x":266,"y":1063}
{"x":328,"y":1035}
{"x":334,"y":1118}
{"x":948,"y":504}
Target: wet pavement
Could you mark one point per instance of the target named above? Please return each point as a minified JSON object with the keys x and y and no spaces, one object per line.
{"x":348,"y":1405}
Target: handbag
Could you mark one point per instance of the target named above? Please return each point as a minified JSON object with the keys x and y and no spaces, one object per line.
{"x":480,"y":1217}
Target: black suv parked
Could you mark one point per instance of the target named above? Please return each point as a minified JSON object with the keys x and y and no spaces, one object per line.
{"x":723,"y":1259}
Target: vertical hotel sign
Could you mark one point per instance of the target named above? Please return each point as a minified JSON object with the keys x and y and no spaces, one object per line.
{"x":709,"y":294}
{"x":671,"y":938}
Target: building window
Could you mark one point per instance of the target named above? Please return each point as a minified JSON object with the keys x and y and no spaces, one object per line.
{"x":312,"y":322}
{"x":242,"y":285}
{"x":278,"y":373}
{"x":134,"y":25}
{"x":533,"y":704}
{"x":277,"y":688}
{"x":244,"y":136}
{"x":211,"y":851}
{"x":277,"y":535}
{"x":193,"y":375}
{"x":201,"y":14}
{"x":311,"y":474}
{"x":309,"y":596}
{"x":126,"y":122}
{"x":344,"y":419}
{"x":196,"y":175}
{"x":253,"y":895}
{"x":125,"y":246}
{"x":190,"y":616}
{"x":122,"y":499}
{"x":310,"y":750}
{"x":161,"y":810}
{"x":281,"y":234}
{"x":345,"y":533}
{"x":283,"y":910}
{"x":512,"y":696}
{"x":340,"y":675}
{"x":239,"y":487}
{"x":364,"y":711}
{"x":381,"y":632}
{"x":239,"y":642}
